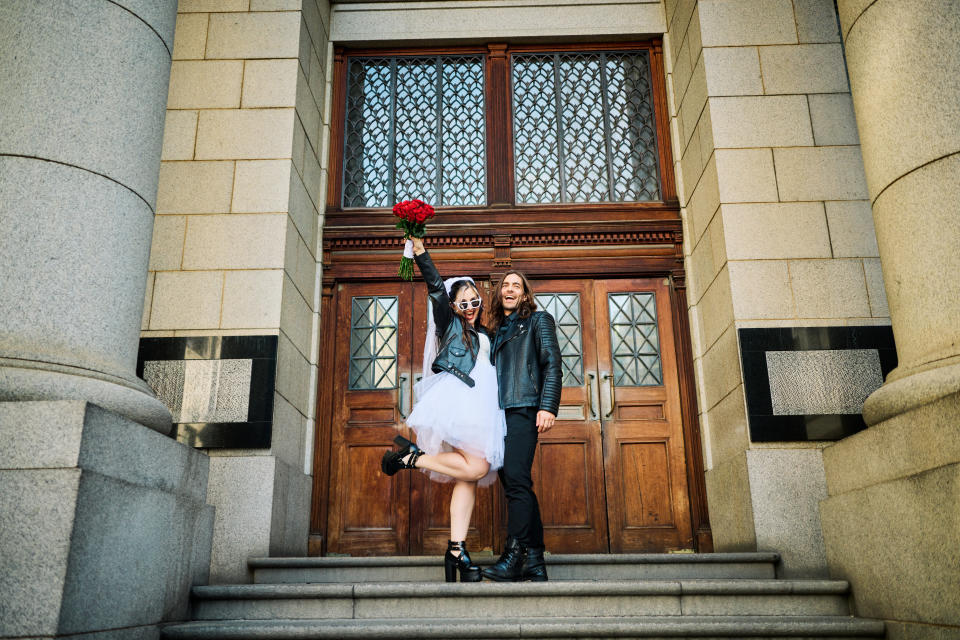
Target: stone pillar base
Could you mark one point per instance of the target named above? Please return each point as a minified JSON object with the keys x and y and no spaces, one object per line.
{"x":104,"y":525}
{"x":890,"y":521}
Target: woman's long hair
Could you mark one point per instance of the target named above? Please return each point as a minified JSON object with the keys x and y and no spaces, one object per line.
{"x":478,"y":322}
{"x":527,"y":304}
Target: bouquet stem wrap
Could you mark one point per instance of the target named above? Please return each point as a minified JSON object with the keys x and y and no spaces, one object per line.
{"x":412,"y":217}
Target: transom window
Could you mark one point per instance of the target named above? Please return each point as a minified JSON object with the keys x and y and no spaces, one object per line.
{"x":524,"y":127}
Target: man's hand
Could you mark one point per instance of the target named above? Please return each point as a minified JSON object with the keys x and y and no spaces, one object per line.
{"x":545,"y":421}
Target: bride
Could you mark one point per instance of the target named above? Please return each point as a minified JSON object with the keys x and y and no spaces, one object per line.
{"x":457,"y":419}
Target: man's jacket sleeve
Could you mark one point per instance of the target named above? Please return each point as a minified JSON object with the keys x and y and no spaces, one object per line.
{"x":549,"y":356}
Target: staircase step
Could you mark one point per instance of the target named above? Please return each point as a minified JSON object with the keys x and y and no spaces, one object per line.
{"x":677,"y":566}
{"x":603,"y":598}
{"x":646,"y":627}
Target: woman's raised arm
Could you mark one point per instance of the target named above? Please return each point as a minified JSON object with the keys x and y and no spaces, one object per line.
{"x":442,"y":312}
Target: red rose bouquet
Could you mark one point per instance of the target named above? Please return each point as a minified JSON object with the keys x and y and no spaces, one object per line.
{"x":413,"y":216}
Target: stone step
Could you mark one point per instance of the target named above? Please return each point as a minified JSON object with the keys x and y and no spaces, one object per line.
{"x":646,"y":627}
{"x":647,"y":566}
{"x":602,"y":598}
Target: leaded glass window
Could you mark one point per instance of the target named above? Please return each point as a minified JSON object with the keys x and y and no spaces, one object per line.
{"x":415,"y":129}
{"x":634,"y":341}
{"x":373,"y":342}
{"x":565,"y":309}
{"x":584,"y":128}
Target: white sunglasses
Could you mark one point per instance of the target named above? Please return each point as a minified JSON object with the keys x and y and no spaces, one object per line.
{"x":469,"y":304}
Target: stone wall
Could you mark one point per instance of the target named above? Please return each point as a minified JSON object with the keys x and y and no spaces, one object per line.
{"x":778,"y":233}
{"x":235,"y":245}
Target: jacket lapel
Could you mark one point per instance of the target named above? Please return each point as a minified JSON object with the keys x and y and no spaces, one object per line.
{"x":512,"y":331}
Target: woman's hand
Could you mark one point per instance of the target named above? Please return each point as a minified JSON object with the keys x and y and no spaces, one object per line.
{"x":417,"y":246}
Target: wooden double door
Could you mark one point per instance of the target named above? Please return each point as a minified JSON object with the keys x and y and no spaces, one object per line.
{"x":610,"y":476}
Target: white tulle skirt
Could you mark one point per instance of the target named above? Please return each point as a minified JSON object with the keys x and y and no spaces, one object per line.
{"x":449,"y":414}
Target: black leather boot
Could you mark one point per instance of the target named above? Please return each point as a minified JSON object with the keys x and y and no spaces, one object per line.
{"x":469,"y":572}
{"x":509,"y":567}
{"x":534,"y":568}
{"x":392,"y":461}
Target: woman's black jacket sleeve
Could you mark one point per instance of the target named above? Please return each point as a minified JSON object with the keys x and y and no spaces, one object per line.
{"x":442,"y":313}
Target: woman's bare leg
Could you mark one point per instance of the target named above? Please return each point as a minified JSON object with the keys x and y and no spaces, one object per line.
{"x":456,"y":464}
{"x":461,"y":509}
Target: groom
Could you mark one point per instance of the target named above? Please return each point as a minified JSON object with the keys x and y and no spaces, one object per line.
{"x":527,"y":358}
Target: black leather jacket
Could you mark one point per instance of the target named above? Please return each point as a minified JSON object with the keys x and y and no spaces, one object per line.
{"x":528,"y":364}
{"x":453,"y":355}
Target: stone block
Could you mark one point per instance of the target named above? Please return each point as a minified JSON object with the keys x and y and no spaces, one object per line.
{"x":269,"y":83}
{"x":875,"y":288}
{"x":205,"y":84}
{"x":693,"y":35}
{"x":834,"y":123}
{"x":729,"y":432}
{"x":235,"y":241}
{"x":716,"y":309}
{"x":706,"y":260}
{"x":179,"y":135}
{"x":761,"y":121}
{"x":195,"y":187}
{"x":896,"y":542}
{"x":786,"y":487}
{"x":307,"y":109}
{"x":290,"y":518}
{"x":691,"y":162}
{"x":733,"y":71}
{"x":293,"y":374}
{"x":147,"y":302}
{"x":829,"y":288}
{"x":820,"y":173}
{"x":694,"y":100}
{"x":107,"y":117}
{"x":851,"y":229}
{"x":705,"y":133}
{"x":276,"y":5}
{"x":749,"y":22}
{"x":776,"y":231}
{"x":746,"y":175}
{"x":245,"y":134}
{"x":302,"y":211}
{"x":721,"y":368}
{"x":299,"y":263}
{"x":704,"y":202}
{"x":313,"y":174}
{"x":187,"y":6}
{"x":315,"y":75}
{"x":261,"y":186}
{"x":804,"y":68}
{"x":251,"y":299}
{"x":253,"y":35}
{"x":816,"y":21}
{"x":730,"y":505}
{"x":190,"y":39}
{"x":166,"y":250}
{"x":296,"y":318}
{"x":287,"y":437}
{"x":761,"y":289}
{"x":241,"y":490}
{"x":186,"y":300}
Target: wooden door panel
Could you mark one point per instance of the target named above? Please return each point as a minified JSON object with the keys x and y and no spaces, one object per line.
{"x":568,"y":466}
{"x":369,"y":512}
{"x":647,"y":499}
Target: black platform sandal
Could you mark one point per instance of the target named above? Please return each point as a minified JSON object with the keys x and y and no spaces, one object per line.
{"x":392,"y":461}
{"x":469,"y":572}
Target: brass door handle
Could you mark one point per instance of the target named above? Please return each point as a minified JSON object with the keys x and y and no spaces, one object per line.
{"x":402,"y":405}
{"x":593,"y":413}
{"x":613,"y":398}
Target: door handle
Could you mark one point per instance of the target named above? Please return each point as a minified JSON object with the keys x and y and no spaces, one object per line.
{"x":403,"y":408}
{"x":613,"y":397}
{"x":593,"y":413}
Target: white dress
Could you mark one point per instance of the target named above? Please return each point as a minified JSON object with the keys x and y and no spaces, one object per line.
{"x":449,"y":414}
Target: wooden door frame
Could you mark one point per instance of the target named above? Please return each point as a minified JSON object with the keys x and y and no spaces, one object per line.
{"x":608,"y":249}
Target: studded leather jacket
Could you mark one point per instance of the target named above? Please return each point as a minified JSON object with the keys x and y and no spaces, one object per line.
{"x":453,"y":355}
{"x":527,"y":358}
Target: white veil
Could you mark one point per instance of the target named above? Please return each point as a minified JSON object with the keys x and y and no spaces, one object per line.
{"x":431,"y":342}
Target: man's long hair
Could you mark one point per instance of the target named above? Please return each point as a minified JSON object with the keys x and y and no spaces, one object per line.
{"x":527,"y":305}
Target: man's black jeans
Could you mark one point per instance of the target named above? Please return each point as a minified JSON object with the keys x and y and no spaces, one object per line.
{"x":519,"y":447}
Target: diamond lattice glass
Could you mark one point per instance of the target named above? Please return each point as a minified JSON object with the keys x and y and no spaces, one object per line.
{"x":373,"y":342}
{"x":634,"y":340}
{"x":565,"y":309}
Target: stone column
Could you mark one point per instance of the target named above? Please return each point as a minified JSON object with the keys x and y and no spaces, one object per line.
{"x":83,"y":87}
{"x":902,"y":58}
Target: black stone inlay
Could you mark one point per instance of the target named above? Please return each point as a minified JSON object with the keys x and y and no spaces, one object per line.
{"x":256,"y":432}
{"x":754,"y":345}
